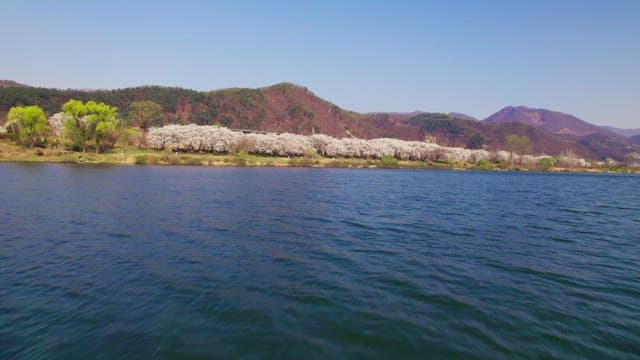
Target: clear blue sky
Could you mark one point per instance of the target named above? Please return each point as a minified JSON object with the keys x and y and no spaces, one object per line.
{"x":580,"y":57}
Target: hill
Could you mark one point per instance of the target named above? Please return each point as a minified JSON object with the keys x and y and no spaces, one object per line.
{"x":552,"y":121}
{"x":452,"y":131}
{"x":599,"y":141}
{"x":291,"y":108}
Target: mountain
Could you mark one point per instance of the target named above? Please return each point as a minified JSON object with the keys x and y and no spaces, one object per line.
{"x":292,"y":108}
{"x":465,"y":133}
{"x":624,"y":132}
{"x":601,"y":142}
{"x":552,"y":121}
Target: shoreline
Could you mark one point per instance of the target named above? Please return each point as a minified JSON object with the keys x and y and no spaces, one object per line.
{"x":132,"y":156}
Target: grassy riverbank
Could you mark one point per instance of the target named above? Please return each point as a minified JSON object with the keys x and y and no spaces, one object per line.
{"x":9,"y":152}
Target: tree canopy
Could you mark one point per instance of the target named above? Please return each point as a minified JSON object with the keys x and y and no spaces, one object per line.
{"x":28,"y":124}
{"x":144,"y":114}
{"x":437,"y":122}
{"x":90,"y":122}
{"x":520,"y":145}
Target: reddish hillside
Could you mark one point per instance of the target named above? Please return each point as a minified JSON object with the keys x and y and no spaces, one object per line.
{"x":292,"y":108}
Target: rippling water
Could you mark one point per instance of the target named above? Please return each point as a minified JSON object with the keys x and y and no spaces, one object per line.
{"x":173,"y":262}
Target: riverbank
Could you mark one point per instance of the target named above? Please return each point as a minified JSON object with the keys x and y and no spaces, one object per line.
{"x":137,"y":156}
{"x":9,"y":152}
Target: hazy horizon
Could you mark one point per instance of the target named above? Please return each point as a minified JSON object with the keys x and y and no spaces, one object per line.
{"x":576,"y":57}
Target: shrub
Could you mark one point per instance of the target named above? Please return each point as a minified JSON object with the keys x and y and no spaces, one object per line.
{"x":311,"y":153}
{"x":389,"y":161}
{"x":545,"y":163}
{"x":174,"y":160}
{"x":484,"y":164}
{"x":141,"y":160}
{"x":505,"y":165}
{"x":240,"y":162}
{"x":192,"y":160}
{"x":240,"y":159}
{"x":146,"y":160}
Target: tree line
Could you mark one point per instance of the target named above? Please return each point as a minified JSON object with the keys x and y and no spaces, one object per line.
{"x":97,"y":126}
{"x":86,"y":126}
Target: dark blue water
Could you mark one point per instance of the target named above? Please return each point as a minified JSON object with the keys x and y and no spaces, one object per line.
{"x":175,"y":262}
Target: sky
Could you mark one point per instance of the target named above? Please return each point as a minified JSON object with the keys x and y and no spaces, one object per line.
{"x":475,"y":57}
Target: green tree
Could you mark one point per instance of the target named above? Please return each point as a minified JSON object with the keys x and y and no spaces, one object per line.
{"x":144,"y":114}
{"x":103,"y":123}
{"x":90,"y":122}
{"x":28,"y":124}
{"x":75,"y":129}
{"x":520,"y":145}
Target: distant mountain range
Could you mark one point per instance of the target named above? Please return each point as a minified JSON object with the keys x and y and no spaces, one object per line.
{"x":291,"y":108}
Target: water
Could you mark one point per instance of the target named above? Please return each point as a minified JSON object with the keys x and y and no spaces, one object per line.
{"x":175,"y":262}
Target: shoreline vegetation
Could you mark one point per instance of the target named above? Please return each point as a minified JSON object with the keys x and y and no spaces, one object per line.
{"x":94,"y":133}
{"x":132,"y":156}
